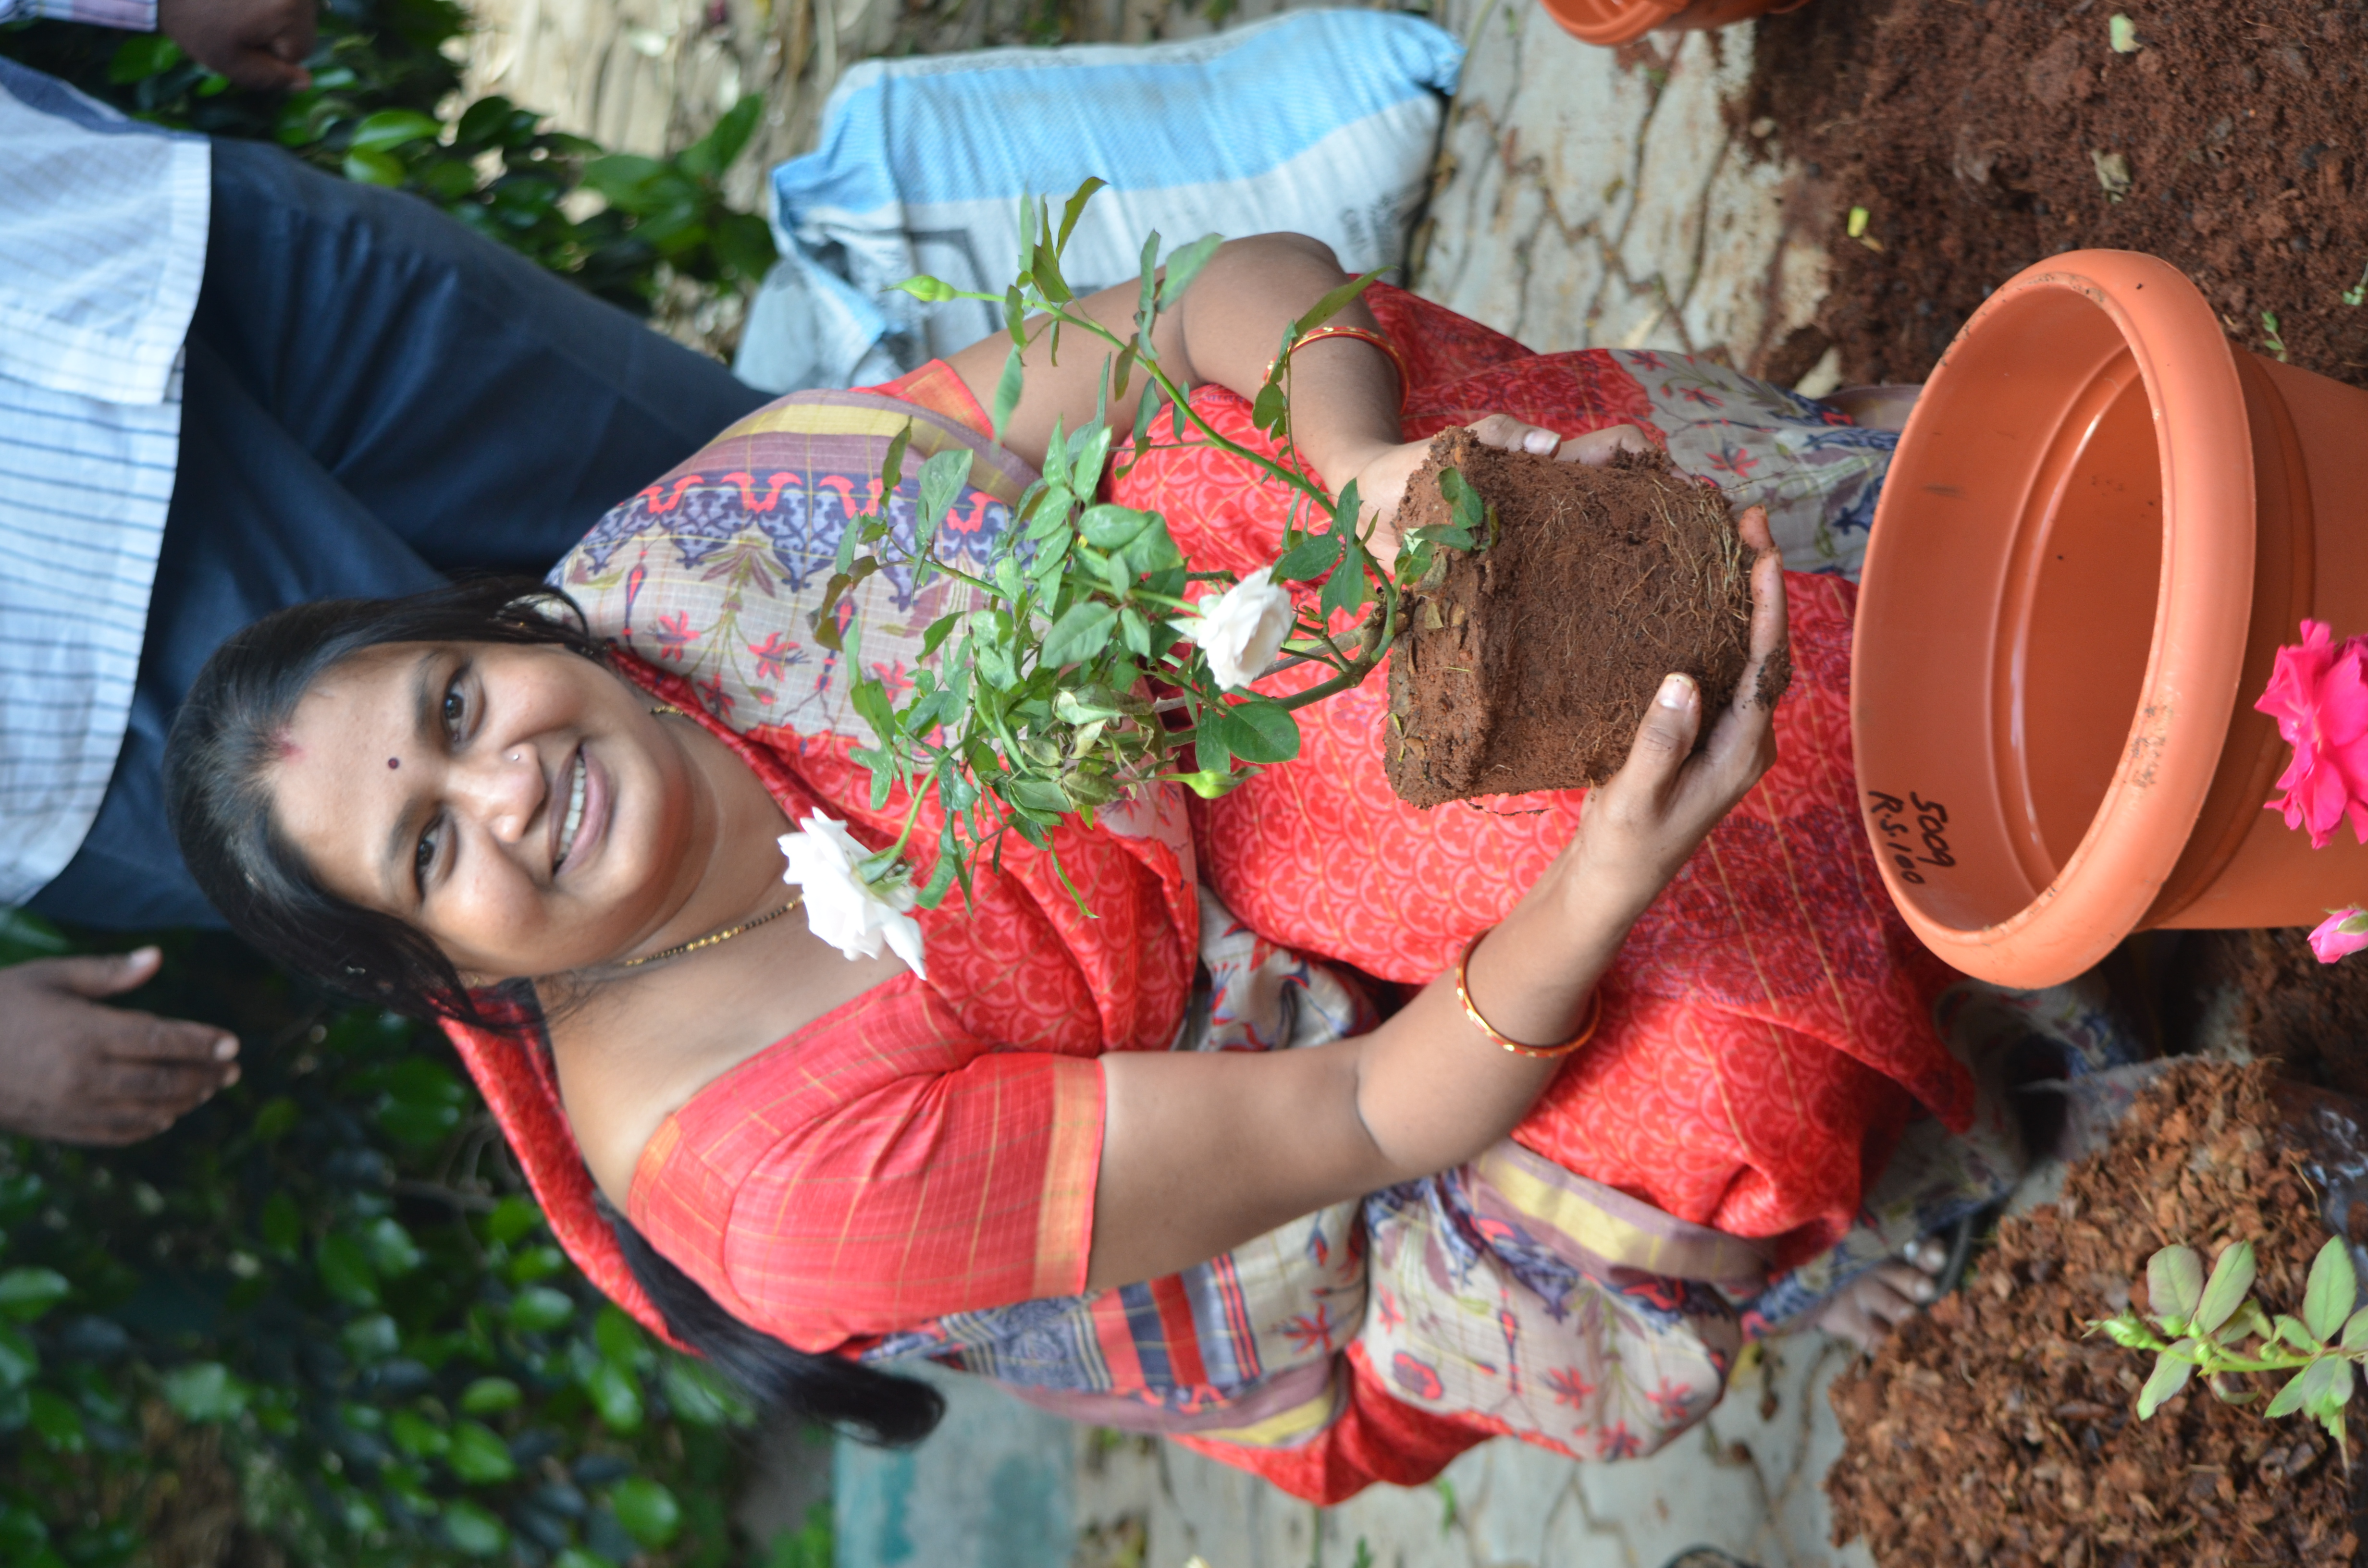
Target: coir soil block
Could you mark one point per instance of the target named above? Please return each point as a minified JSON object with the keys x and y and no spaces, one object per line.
{"x":1527,"y":662}
{"x":1990,"y":1430}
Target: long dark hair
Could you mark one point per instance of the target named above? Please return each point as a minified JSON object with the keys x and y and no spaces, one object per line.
{"x":217,"y":788}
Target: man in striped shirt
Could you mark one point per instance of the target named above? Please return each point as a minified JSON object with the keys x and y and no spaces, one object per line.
{"x":228,"y":383}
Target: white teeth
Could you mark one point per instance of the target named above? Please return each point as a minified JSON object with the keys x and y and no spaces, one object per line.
{"x":574,"y":809}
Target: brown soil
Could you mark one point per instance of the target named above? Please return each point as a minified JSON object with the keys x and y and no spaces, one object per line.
{"x":2311,"y":1017}
{"x":1974,"y":132}
{"x":1990,"y":1431}
{"x":1527,"y":664}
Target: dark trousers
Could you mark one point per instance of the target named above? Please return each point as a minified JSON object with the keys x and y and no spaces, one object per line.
{"x":375,"y":398}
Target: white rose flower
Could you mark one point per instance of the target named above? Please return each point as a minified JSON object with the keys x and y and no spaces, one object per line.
{"x":1241,"y":628}
{"x":841,"y":907}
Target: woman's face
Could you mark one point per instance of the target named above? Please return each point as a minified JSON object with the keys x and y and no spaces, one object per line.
{"x":519,"y":805}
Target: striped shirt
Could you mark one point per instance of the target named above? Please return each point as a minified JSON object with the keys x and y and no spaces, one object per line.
{"x":102,"y":246}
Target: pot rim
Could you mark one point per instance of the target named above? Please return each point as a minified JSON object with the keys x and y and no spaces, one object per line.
{"x":1610,"y":23}
{"x":2104,"y":889}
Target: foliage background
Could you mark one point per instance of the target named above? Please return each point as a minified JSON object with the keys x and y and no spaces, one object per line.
{"x":383,"y":107}
{"x":320,"y":1321}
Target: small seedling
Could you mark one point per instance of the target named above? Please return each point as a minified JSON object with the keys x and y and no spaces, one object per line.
{"x":2270,"y":337}
{"x":2112,"y":173}
{"x":1856,"y":228}
{"x":2124,"y":35}
{"x":2205,"y":1325}
{"x":2358,"y":293}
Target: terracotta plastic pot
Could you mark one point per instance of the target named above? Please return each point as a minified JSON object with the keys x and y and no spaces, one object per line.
{"x":2100,"y":524}
{"x":1625,"y":21}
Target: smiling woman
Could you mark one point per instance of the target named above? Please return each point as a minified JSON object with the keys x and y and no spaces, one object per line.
{"x":1640,"y":1063}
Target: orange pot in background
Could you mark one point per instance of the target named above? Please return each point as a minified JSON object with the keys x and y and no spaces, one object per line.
{"x":2100,"y":524}
{"x":1611,"y":22}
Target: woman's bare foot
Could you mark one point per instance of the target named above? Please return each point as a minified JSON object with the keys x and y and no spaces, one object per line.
{"x":1874,"y":1303}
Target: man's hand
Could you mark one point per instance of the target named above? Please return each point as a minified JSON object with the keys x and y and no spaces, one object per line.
{"x":79,"y":1073}
{"x":256,"y":44}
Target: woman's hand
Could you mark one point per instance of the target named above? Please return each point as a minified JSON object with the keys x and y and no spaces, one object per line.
{"x":1640,"y":828}
{"x":1382,"y":472}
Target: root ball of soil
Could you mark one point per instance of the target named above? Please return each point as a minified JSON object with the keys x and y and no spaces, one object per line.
{"x":1527,"y":662}
{"x":1989,"y":1430}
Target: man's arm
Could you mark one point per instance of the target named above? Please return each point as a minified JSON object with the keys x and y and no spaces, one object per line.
{"x":256,"y":44}
{"x":80,"y":1072}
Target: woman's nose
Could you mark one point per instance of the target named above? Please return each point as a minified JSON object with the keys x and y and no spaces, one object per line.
{"x":502,"y":790}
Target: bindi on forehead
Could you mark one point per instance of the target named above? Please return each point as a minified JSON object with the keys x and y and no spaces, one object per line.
{"x":394,"y":762}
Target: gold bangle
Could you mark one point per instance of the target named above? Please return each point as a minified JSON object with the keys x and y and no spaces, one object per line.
{"x":1538,"y":1052}
{"x":1362,"y":334}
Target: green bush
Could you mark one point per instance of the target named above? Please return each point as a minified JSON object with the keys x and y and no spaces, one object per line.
{"x":380,"y":76}
{"x":321,"y":1315}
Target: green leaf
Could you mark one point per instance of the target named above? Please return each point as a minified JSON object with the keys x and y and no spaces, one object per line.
{"x":27,"y":1293}
{"x":2122,"y":34}
{"x":1185,"y":266}
{"x":2232,"y":1276}
{"x":2288,"y":1400}
{"x":1256,"y":729}
{"x":392,"y":1251}
{"x":707,"y":157}
{"x":2127,"y":1332}
{"x":417,"y":1436}
{"x":1310,"y":558}
{"x":616,"y":1394}
{"x":344,"y":1268}
{"x":474,"y":1531}
{"x":205,"y":1391}
{"x":391,"y":127}
{"x":539,"y":1308}
{"x":57,"y":1422}
{"x":647,"y":1509}
{"x":892,"y":467}
{"x":19,"y":1360}
{"x":487,"y":1396}
{"x":478,"y":1455}
{"x":1007,"y":392}
{"x":142,"y":55}
{"x":1082,"y":632}
{"x":2328,"y":1297}
{"x":366,"y":167}
{"x":2326,"y":1386}
{"x":372,"y":1338}
{"x":618,"y":1338}
{"x":2170,"y":1374}
{"x":2175,"y":1283}
{"x":1271,"y":410}
{"x":2292,"y":1331}
{"x":535,"y":1263}
{"x":1075,"y":208}
{"x":942,"y":478}
{"x":695,"y":1394}
{"x":1331,"y":304}
{"x":1346,"y":589}
{"x":2355,"y":1331}
{"x":512,"y":1218}
{"x":1107,"y":526}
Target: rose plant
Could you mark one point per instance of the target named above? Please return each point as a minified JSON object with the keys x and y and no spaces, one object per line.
{"x":1080,"y":671}
{"x":2213,"y":1326}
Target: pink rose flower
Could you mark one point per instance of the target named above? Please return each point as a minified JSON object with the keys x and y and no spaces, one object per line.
{"x":2318,"y":694}
{"x":2343,"y":931}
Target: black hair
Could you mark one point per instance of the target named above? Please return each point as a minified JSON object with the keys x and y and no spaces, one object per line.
{"x":865,"y":1404}
{"x":217,"y":762}
{"x":229,"y":733}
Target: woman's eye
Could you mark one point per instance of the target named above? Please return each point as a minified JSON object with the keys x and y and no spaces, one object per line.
{"x":424,"y":859}
{"x":456,"y":708}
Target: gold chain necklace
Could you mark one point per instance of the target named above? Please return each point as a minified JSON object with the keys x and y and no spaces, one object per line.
{"x":714,"y":937}
{"x":710,"y":940}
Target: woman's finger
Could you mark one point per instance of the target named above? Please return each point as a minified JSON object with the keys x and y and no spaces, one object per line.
{"x":1504,"y":431}
{"x":1597,"y":446}
{"x":1664,"y":738}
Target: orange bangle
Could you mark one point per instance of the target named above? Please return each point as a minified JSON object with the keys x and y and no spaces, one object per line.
{"x":1539,"y":1052}
{"x":1364,"y":335}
